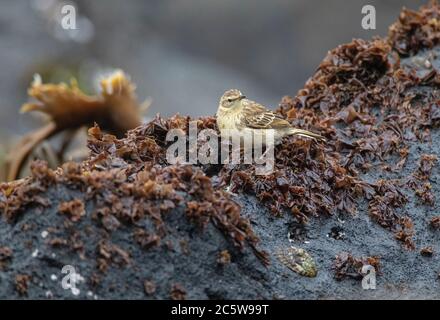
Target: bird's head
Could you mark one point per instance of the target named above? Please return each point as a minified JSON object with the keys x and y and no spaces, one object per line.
{"x":230,"y":98}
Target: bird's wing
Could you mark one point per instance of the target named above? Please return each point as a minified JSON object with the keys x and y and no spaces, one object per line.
{"x":259,"y":117}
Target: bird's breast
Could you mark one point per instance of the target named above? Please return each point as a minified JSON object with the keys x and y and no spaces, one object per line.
{"x":227,"y":120}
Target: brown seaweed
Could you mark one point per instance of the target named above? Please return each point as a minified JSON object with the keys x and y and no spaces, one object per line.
{"x":116,"y":109}
{"x":348,"y":266}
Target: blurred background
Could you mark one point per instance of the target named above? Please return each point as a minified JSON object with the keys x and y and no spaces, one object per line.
{"x":182,"y":54}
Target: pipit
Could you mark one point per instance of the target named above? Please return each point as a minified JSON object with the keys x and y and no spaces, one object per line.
{"x":250,"y":118}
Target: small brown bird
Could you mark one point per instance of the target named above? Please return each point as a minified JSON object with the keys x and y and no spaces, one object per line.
{"x":248,"y":117}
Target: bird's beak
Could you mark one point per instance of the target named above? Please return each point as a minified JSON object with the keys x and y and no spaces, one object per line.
{"x":242,"y":97}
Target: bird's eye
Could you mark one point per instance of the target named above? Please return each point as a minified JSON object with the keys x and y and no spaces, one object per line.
{"x":229,"y":100}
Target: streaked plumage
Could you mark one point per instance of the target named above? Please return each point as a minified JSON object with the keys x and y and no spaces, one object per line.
{"x":247,"y":116}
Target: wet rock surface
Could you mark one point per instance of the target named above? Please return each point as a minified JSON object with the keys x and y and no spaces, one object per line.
{"x":135,"y":227}
{"x":404,"y":274}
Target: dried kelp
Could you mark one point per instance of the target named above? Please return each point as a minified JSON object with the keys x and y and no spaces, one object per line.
{"x":435,"y":223}
{"x":419,"y":181}
{"x":5,"y":257}
{"x":364,"y":99}
{"x":383,"y":209}
{"x":74,"y":209}
{"x":128,"y":186}
{"x":22,"y":283}
{"x":427,"y":162}
{"x":110,"y":253}
{"x":347,"y":266}
{"x":224,"y":258}
{"x":361,"y":98}
{"x":368,"y":98}
{"x":416,"y":30}
{"x":116,"y":110}
{"x":149,"y":287}
{"x":177,"y":292}
{"x":427,"y":251}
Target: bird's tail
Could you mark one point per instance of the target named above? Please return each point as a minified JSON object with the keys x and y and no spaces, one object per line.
{"x":307,"y":134}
